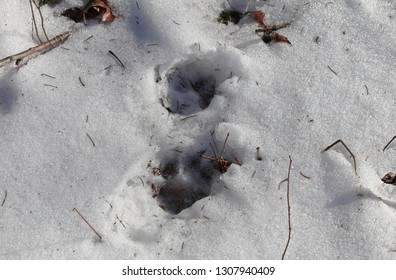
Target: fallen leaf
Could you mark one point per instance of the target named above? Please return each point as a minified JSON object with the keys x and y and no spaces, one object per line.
{"x":94,"y":9}
{"x":389,"y":178}
{"x":258,"y":16}
{"x":279,"y":38}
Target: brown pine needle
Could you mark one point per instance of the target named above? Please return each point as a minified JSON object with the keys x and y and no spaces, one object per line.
{"x":81,"y":82}
{"x":346,"y":147}
{"x":5,"y":196}
{"x":281,"y":182}
{"x":224,"y":145}
{"x":393,"y":138}
{"x":305,"y":176}
{"x":288,"y":208}
{"x":90,"y":138}
{"x":34,"y":21}
{"x":43,"y":74}
{"x":40,"y":48}
{"x":85,"y":220}
{"x":335,"y":73}
{"x":367,"y":90}
{"x":116,"y":57}
{"x":42,"y":21}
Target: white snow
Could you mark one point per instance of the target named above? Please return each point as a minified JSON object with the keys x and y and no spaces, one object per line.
{"x":283,"y":98}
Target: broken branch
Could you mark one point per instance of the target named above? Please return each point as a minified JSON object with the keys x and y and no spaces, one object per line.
{"x":56,"y":41}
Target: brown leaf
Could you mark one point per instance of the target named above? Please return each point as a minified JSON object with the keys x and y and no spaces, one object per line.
{"x":279,"y":38}
{"x":258,"y":16}
{"x":389,"y":178}
{"x":96,"y":8}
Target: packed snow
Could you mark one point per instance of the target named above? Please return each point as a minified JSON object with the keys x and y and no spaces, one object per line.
{"x":140,"y":149}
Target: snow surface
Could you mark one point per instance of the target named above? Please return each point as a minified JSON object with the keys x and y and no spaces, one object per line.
{"x":283,"y":98}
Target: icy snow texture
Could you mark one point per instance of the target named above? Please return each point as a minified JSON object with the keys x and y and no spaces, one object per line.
{"x":284,"y":99}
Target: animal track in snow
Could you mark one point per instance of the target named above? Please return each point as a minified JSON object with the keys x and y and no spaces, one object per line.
{"x":191,"y":161}
{"x":187,"y":175}
{"x":190,"y":85}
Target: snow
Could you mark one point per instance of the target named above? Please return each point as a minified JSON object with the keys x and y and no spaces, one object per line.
{"x":100,"y":147}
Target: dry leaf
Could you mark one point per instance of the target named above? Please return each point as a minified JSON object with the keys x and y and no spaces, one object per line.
{"x":259,"y":17}
{"x":389,"y":178}
{"x":279,"y":38}
{"x":94,"y":9}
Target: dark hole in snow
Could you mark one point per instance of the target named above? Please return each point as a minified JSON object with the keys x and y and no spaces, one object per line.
{"x":184,"y":178}
{"x":230,"y":16}
{"x":190,"y":86}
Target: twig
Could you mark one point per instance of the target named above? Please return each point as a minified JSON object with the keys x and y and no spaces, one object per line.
{"x":123,"y":66}
{"x":89,"y":137}
{"x":281,"y":182}
{"x":141,"y":180}
{"x":192,"y":116}
{"x":111,"y":206}
{"x":43,"y":74}
{"x":288,"y":208}
{"x":137,"y":4}
{"x":332,"y":70}
{"x":224,"y":145}
{"x":34,"y":21}
{"x":40,"y":48}
{"x":86,"y":40}
{"x":212,"y":134}
{"x":121,"y":222}
{"x":82,"y":217}
{"x":393,"y":138}
{"x":48,"y":85}
{"x":305,"y":176}
{"x":367,"y":91}
{"x":346,"y":147}
{"x":42,"y":21}
{"x":81,"y":82}
{"x":5,"y":196}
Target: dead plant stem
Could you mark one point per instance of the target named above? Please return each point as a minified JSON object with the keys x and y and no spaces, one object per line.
{"x":288,"y":208}
{"x":40,"y":48}
{"x":5,"y":196}
{"x":34,"y":21}
{"x":85,"y":220}
{"x":42,"y":21}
